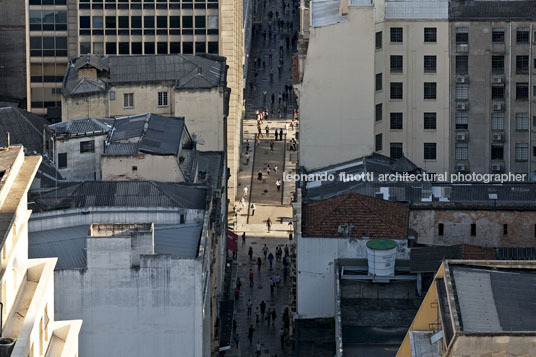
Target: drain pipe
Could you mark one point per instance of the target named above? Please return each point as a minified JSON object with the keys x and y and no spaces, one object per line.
{"x":531,"y":98}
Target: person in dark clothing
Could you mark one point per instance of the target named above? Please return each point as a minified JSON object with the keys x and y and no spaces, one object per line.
{"x":280,"y":134}
{"x":250,"y":253}
{"x":275,"y":134}
{"x":259,"y":264}
{"x":250,"y":334}
{"x":263,"y":308}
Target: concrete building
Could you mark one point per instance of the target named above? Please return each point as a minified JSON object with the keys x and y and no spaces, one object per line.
{"x":29,"y":327}
{"x":492,"y":90}
{"x":385,"y":90}
{"x":337,"y":228}
{"x":165,"y":274}
{"x":171,"y":85}
{"x":459,"y":317}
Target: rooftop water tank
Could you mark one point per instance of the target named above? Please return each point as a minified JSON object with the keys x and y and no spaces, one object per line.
{"x":381,"y":254}
{"x":6,"y":346}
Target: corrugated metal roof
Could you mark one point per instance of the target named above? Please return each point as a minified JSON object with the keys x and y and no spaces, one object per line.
{"x":82,"y":126}
{"x":121,"y":194}
{"x":417,"y":9}
{"x":24,"y":128}
{"x":121,"y":149}
{"x":503,"y":9}
{"x":211,"y":164}
{"x":69,"y":244}
{"x":325,"y":12}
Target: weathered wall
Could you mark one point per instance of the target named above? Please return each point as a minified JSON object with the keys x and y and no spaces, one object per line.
{"x":81,"y":107}
{"x":123,"y":308}
{"x":489,"y":227}
{"x":149,"y":167}
{"x":80,"y":166}
{"x":12,"y":49}
{"x":481,"y":346}
{"x":316,"y":278}
{"x":336,"y":103}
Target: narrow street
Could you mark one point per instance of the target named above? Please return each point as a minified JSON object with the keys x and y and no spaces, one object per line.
{"x":264,"y":90}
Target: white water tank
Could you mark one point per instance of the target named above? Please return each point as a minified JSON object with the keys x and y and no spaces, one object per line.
{"x":381,"y":254}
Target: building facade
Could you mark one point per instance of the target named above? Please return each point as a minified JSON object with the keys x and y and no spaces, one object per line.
{"x":492,"y":89}
{"x":27,"y":285}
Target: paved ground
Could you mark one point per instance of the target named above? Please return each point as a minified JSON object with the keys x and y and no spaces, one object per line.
{"x":269,"y":201}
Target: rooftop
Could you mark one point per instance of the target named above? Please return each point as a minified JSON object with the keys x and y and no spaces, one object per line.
{"x":69,"y":244}
{"x":186,"y":71}
{"x":428,"y":259}
{"x":120,"y":194}
{"x":496,"y":9}
{"x":82,"y":126}
{"x":417,"y":9}
{"x":371,"y":217}
{"x":211,"y":165}
{"x":156,"y":134}
{"x":325,"y":12}
{"x":24,"y":128}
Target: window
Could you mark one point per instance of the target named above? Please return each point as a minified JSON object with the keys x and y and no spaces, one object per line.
{"x":497,"y":121}
{"x":200,"y":22}
{"x":522,"y":91}
{"x":497,"y":152}
{"x":462,"y":35}
{"x":182,"y":219}
{"x":379,"y":142}
{"x":522,"y":64}
{"x":85,"y":22}
{"x":98,"y":22}
{"x":162,"y":99}
{"x":212,"y":47}
{"x":396,"y":90}
{"x":123,"y":22}
{"x":497,"y":35}
{"x":497,"y":92}
{"x":430,"y":151}
{"x":87,"y":146}
{"x":430,"y":90}
{"x":396,"y":34}
{"x":134,"y":168}
{"x":430,"y":64}
{"x":522,"y":121}
{"x":200,"y":47}
{"x":379,"y":112}
{"x":378,"y":81}
{"x":430,"y":34}
{"x":497,"y":64}
{"x":112,"y":95}
{"x":85,"y":48}
{"x":149,"y":48}
{"x":123,"y":48}
{"x":462,"y":92}
{"x":522,"y":152}
{"x":440,"y":229}
{"x":505,"y":229}
{"x":162,"y":48}
{"x":187,"y":22}
{"x":135,"y":22}
{"x":128,"y":100}
{"x":111,"y":48}
{"x":430,"y":120}
{"x":161,"y":22}
{"x":462,"y":64}
{"x":378,"y":40}
{"x":522,"y":35}
{"x":473,"y":229}
{"x":111,"y":22}
{"x":174,"y":22}
{"x":462,"y":120}
{"x":136,"y":48}
{"x":62,"y":160}
{"x":462,"y":152}
{"x":396,"y":150}
{"x":396,"y":121}
{"x":148,"y":22}
{"x":397,"y":64}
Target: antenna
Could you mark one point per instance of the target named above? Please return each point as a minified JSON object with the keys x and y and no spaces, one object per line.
{"x":8,"y":140}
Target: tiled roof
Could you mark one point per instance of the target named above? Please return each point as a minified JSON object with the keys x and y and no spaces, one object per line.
{"x":509,"y":9}
{"x":82,"y":126}
{"x":211,"y":163}
{"x":24,"y":129}
{"x":371,"y":217}
{"x":121,"y":194}
{"x":186,"y":71}
{"x":416,"y":9}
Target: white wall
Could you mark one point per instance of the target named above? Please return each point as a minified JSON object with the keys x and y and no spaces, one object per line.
{"x":316,"y":277}
{"x":80,"y":166}
{"x":336,"y":100}
{"x":153,"y":311}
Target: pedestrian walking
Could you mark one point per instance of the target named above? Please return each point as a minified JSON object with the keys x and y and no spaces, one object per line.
{"x":242,"y":202}
{"x":257,"y":314}
{"x":258,"y":349}
{"x":282,"y":337}
{"x":281,"y":134}
{"x":272,"y":287}
{"x":247,"y":158}
{"x":271,"y":260}
{"x":251,"y":330}
{"x":259,"y":175}
{"x":286,"y":128}
{"x":278,"y":184}
{"x":264,"y":93}
{"x":235,"y":213}
{"x":250,"y":305}
{"x":268,"y":170}
{"x":237,"y":293}
{"x":265,"y":251}
{"x":275,"y":169}
{"x":276,"y":133}
{"x":244,"y":238}
{"x":269,"y":224}
{"x":251,"y":278}
{"x":274,"y":316}
{"x":245,"y":191}
{"x":263,"y":307}
{"x":253,"y":207}
{"x":259,"y":264}
{"x":247,"y":141}
{"x":238,"y":283}
{"x":277,"y":280}
{"x":272,"y":146}
{"x":267,"y":129}
{"x":250,"y":253}
{"x":237,"y":339}
{"x":273,"y":99}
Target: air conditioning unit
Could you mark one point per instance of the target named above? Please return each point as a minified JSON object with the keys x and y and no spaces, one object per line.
{"x":498,"y":79}
{"x":498,"y":137}
{"x":498,"y":107}
{"x":461,"y":136}
{"x":496,"y":167}
{"x":461,"y":79}
{"x":462,"y":106}
{"x":461,"y":167}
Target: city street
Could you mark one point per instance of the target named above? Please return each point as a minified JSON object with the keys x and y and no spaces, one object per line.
{"x":270,"y":202}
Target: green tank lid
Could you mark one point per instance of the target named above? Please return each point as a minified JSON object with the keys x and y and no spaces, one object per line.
{"x":381,"y":244}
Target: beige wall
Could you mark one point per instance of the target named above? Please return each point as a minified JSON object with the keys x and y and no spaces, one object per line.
{"x":87,"y":106}
{"x":149,"y":167}
{"x":413,"y":105}
{"x":80,"y":166}
{"x":336,"y":103}
{"x":483,"y":346}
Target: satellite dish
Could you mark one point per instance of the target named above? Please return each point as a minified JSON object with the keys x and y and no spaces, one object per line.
{"x":198,"y":139}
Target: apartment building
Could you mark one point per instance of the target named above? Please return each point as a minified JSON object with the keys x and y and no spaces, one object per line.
{"x":492,"y":89}
{"x":28,"y":327}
